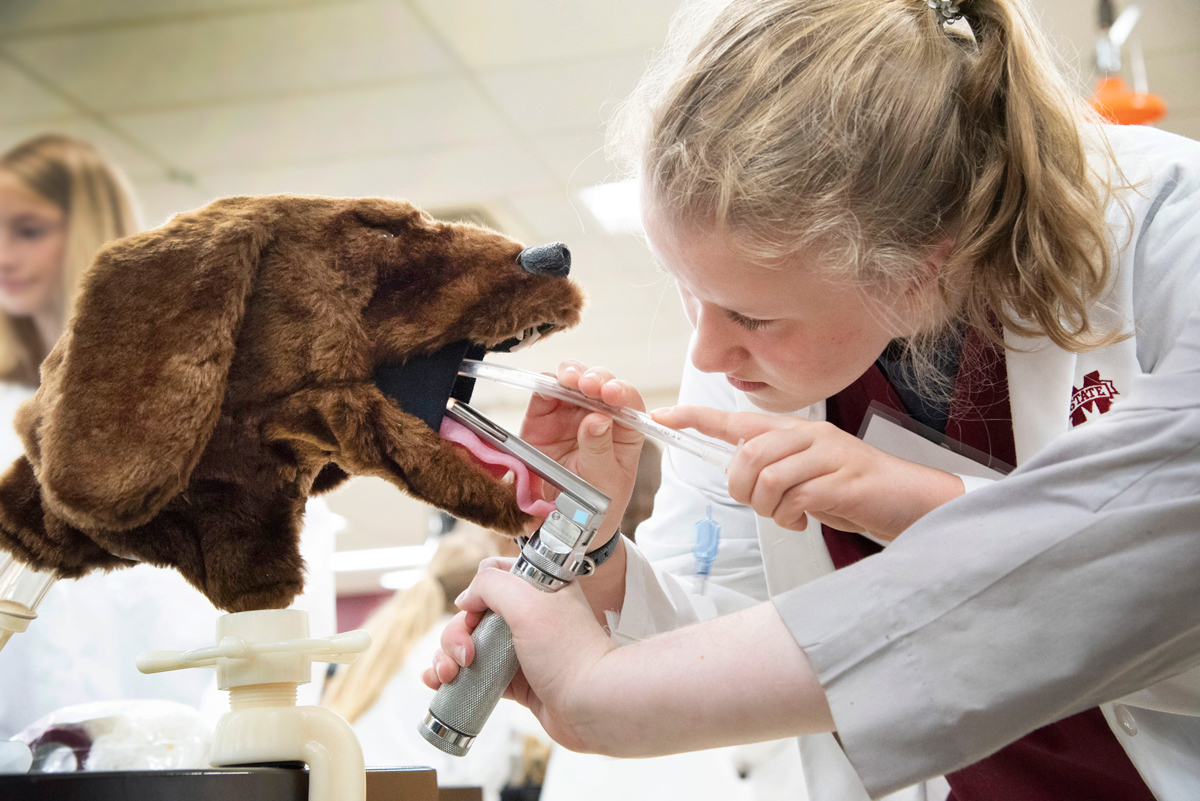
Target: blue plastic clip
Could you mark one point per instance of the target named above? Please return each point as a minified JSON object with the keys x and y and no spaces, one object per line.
{"x":708,"y":540}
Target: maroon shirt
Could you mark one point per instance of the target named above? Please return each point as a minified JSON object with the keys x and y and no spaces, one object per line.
{"x":1077,"y":758}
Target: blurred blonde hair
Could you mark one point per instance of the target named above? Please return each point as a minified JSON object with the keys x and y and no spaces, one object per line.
{"x":406,"y":617}
{"x":861,"y":132}
{"x":98,"y":205}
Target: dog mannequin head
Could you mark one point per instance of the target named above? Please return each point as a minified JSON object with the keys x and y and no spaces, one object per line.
{"x":219,"y":370}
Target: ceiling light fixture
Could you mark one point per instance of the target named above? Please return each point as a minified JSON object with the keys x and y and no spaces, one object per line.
{"x":615,"y":205}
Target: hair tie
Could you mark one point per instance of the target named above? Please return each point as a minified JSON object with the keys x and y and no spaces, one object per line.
{"x":946,"y":10}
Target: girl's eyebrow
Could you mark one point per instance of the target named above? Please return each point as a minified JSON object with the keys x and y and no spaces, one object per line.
{"x":31,"y":216}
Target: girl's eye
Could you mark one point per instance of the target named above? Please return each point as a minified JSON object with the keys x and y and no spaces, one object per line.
{"x":32,"y":231}
{"x":749,"y":323}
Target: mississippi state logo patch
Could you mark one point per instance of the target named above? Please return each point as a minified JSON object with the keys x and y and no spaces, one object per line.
{"x":1094,"y":397}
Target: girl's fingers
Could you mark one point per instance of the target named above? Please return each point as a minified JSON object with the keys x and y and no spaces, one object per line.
{"x":456,"y":640}
{"x":618,"y":392}
{"x":728,"y":426}
{"x":444,"y":669}
{"x":569,"y":373}
{"x":788,"y":475}
{"x":818,"y":497}
{"x":541,"y":405}
{"x":592,"y":381}
{"x":757,"y":454}
{"x":429,"y":678}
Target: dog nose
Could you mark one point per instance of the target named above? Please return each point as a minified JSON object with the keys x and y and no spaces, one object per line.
{"x":552,"y":259}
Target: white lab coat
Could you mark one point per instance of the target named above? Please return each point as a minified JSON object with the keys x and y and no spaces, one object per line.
{"x":89,"y":631}
{"x":1156,"y":287}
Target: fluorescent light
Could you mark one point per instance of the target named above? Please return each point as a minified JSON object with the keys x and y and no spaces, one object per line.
{"x":400,"y":579}
{"x":384,"y":558}
{"x":615,"y":205}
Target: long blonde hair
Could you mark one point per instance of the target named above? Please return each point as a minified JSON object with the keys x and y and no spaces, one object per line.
{"x":406,"y":617}
{"x":863,"y":131}
{"x":98,"y":206}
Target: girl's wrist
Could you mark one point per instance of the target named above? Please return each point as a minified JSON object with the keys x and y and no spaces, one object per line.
{"x":599,"y":710}
{"x":932,"y":488}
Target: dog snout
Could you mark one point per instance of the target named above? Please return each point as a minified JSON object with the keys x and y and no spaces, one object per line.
{"x":552,"y":259}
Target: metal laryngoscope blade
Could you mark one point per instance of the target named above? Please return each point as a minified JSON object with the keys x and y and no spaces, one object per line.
{"x":550,"y":559}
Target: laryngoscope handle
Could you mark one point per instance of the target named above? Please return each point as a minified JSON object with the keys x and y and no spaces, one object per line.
{"x":466,"y":703}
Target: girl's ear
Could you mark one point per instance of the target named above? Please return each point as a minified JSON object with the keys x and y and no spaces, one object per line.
{"x":921,"y":305}
{"x":131,"y":393}
{"x":938,"y":257}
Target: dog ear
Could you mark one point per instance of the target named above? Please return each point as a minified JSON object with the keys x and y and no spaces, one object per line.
{"x":133,"y":391}
{"x":39,"y":539}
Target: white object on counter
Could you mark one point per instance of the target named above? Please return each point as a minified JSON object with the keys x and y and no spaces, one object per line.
{"x":261,"y":658}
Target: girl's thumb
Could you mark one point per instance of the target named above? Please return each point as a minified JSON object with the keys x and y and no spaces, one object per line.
{"x":595,"y":435}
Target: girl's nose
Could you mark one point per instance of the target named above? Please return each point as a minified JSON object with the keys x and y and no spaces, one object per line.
{"x":7,"y":256}
{"x":715,"y":347}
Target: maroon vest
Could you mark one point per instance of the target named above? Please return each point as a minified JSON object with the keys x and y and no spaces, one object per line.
{"x":1075,"y":759}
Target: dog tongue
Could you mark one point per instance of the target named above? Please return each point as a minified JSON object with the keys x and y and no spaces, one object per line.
{"x":456,"y":432}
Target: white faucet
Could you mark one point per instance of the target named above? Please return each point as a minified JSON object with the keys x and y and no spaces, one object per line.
{"x":261,"y":657}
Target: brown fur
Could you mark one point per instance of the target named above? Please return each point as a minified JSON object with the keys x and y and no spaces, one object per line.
{"x":219,"y":370}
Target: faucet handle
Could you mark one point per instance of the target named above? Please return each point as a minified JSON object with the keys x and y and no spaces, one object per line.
{"x":252,"y":656}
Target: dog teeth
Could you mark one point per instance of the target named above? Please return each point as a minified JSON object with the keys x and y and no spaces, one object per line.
{"x":526,"y":338}
{"x":508,"y":478}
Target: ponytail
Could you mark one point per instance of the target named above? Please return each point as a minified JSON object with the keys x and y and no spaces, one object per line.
{"x":1032,"y":231}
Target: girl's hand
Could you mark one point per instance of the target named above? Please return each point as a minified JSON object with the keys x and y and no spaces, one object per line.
{"x":789,"y":468}
{"x":558,"y":642}
{"x":587,"y":443}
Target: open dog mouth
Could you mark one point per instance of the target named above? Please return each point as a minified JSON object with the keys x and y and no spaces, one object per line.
{"x":524,"y":339}
{"x":500,"y":466}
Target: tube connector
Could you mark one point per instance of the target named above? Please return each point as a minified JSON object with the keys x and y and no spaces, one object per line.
{"x":22,"y":589}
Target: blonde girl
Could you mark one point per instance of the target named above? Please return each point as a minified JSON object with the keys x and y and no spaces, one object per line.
{"x":60,"y":201}
{"x":900,"y":203}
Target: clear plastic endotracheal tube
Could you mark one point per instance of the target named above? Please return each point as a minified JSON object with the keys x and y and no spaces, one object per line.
{"x":22,"y":589}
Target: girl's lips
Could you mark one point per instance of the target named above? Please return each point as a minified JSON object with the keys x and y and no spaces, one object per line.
{"x":746,"y":386}
{"x":12,"y":286}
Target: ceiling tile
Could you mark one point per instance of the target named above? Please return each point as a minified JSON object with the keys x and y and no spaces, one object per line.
{"x":28,"y":17}
{"x":22,"y":99}
{"x":577,"y":159}
{"x":552,"y":98}
{"x":131,"y":160}
{"x":277,"y":52}
{"x":553,"y":215}
{"x":284,"y":132}
{"x":437,"y":178}
{"x":488,"y":34}
{"x":159,"y":200}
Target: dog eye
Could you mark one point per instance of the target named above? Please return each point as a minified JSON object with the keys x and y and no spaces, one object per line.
{"x":386,"y":235}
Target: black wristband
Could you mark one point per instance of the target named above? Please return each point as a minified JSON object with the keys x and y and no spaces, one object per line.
{"x":605,"y":551}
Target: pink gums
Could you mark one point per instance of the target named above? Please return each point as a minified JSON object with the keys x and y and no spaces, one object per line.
{"x":456,"y":432}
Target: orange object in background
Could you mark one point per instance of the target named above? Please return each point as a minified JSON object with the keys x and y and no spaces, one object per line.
{"x":1116,"y":102}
